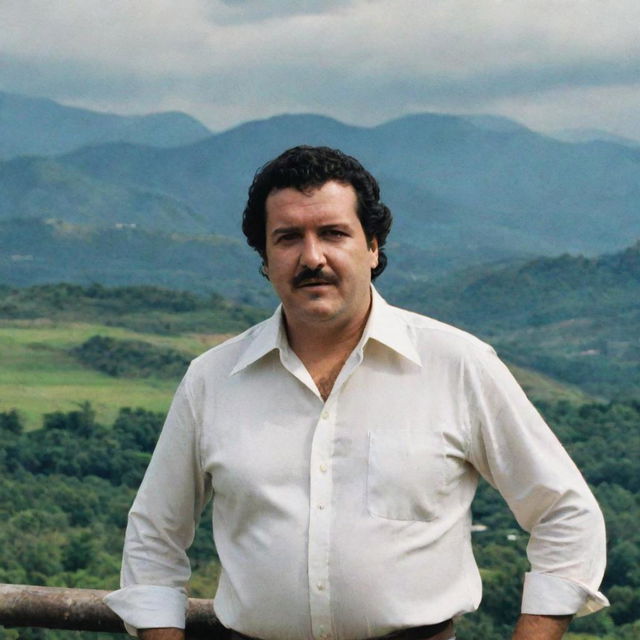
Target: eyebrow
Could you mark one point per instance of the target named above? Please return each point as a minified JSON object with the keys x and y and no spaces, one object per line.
{"x":282,"y":230}
{"x":278,"y":231}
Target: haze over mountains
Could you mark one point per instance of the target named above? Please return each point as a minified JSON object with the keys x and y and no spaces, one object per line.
{"x":592,"y":135}
{"x":464,"y":190}
{"x":39,"y":126}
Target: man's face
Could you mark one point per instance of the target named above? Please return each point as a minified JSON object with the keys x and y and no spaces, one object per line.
{"x":317,"y":255}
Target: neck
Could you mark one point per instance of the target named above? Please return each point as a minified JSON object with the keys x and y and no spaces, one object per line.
{"x":313,"y":341}
{"x":323,"y":350}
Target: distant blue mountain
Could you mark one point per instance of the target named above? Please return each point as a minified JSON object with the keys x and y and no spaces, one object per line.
{"x":592,"y":135}
{"x":463,"y":189}
{"x":41,"y":189}
{"x":494,"y":123}
{"x":38,"y":126}
{"x":504,"y":185}
{"x":38,"y":252}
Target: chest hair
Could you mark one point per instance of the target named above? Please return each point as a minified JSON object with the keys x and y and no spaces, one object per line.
{"x":325,"y":376}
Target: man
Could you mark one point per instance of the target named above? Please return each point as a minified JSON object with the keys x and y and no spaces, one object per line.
{"x":342,"y":440}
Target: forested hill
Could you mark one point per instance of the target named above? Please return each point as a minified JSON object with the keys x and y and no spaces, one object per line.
{"x":575,"y":318}
{"x":68,"y":480}
{"x":141,"y":308}
{"x":543,"y":290}
{"x":38,"y":252}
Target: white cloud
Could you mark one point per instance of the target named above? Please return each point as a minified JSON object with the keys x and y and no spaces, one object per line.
{"x":362,"y":60}
{"x":152,"y":36}
{"x":259,"y":10}
{"x":578,"y":107}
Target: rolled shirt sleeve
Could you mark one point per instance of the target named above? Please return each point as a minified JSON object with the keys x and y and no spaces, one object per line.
{"x":515,"y":451}
{"x":161,"y":526}
{"x":551,"y":595}
{"x":147,"y":606}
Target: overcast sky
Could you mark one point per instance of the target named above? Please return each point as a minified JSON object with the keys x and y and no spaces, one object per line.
{"x":550,"y":64}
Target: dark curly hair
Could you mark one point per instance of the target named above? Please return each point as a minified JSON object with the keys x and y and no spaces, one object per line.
{"x":306,"y":167}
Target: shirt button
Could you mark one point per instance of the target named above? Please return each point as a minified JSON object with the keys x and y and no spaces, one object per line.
{"x":325,"y":415}
{"x":323,"y":467}
{"x":321,"y":507}
{"x":320,"y":586}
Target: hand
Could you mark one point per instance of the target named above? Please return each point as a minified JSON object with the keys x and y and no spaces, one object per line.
{"x":533,"y":627}
{"x":162,"y":633}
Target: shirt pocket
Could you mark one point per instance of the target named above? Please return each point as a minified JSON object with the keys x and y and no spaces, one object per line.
{"x":406,"y":475}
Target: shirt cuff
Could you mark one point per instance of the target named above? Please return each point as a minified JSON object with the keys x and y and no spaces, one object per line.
{"x":148,"y":606}
{"x":546,"y":594}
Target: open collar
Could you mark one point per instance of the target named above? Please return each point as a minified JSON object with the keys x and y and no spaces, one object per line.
{"x":385,"y":325}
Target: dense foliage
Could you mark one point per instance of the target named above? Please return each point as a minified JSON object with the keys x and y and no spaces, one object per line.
{"x":64,"y":499}
{"x":131,"y":358}
{"x":604,"y":441}
{"x":67,"y":487}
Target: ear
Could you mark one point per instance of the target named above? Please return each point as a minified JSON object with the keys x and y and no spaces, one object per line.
{"x":264,"y":269}
{"x":373,"y":248}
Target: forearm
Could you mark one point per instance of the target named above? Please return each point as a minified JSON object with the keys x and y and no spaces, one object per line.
{"x":165,"y":633}
{"x":160,"y":528}
{"x":534,"y":627}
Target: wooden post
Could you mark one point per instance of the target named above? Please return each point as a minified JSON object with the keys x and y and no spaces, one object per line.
{"x":83,"y":610}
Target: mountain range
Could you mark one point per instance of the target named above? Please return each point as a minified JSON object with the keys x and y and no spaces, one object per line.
{"x":465,"y":190}
{"x":39,"y":126}
{"x":503,"y":189}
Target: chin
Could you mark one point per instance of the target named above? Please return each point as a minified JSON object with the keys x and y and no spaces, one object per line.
{"x":319,"y":310}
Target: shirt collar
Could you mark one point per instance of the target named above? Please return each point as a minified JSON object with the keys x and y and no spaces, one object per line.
{"x":384,"y":325}
{"x":267,"y":336}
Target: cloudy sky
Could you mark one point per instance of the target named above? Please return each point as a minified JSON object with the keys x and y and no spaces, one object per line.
{"x":550,"y":64}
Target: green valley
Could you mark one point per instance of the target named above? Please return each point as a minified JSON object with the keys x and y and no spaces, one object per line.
{"x":88,"y":373}
{"x":42,"y":328}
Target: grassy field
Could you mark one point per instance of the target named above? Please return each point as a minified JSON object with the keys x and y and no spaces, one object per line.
{"x":38,"y":374}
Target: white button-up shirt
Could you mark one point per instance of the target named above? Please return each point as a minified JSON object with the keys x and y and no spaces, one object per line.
{"x":350,"y":518}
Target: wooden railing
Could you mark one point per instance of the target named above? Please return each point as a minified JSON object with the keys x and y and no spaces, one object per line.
{"x":83,"y":610}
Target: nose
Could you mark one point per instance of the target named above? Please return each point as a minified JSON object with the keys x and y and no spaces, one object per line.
{"x":312,"y":255}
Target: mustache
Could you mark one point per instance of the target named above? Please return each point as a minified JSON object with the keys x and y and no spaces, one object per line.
{"x":313,"y":275}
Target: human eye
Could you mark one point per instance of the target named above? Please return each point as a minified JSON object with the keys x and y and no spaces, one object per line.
{"x":287,"y":237}
{"x":335,"y":233}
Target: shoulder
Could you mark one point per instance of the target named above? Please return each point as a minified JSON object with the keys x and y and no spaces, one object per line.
{"x":439,"y":337}
{"x":458,"y":354}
